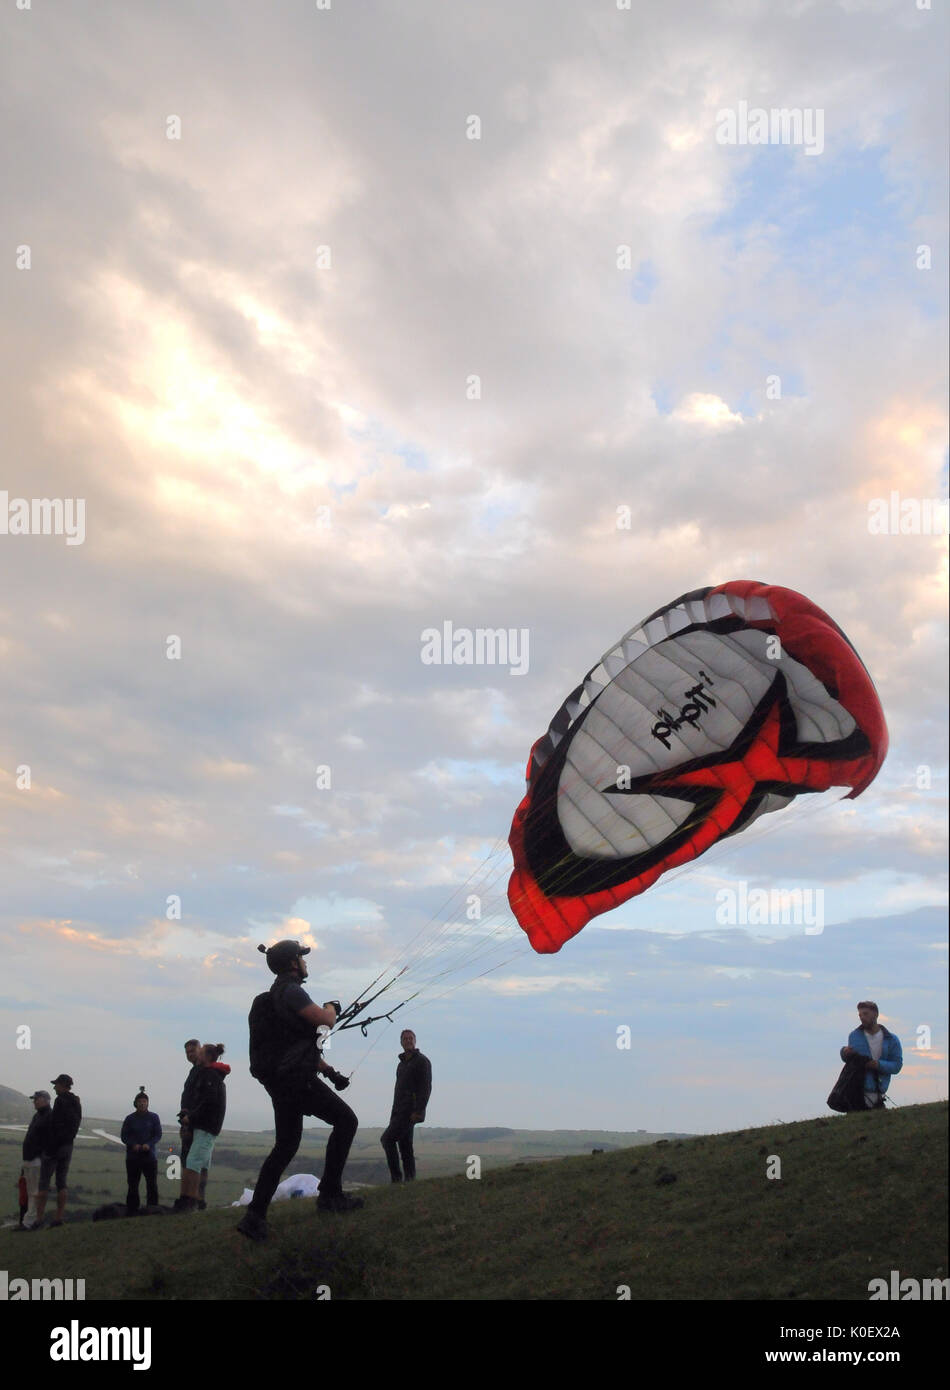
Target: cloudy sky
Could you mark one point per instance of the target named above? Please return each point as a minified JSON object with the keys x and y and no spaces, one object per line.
{"x":348,"y":321}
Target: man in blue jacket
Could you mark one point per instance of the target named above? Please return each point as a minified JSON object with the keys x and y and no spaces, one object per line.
{"x":881,"y":1049}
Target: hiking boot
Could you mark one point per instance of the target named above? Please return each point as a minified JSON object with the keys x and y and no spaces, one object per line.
{"x":338,"y":1202}
{"x":253,"y":1226}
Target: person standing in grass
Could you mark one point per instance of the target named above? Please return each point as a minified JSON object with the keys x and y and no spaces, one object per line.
{"x":32,"y":1150}
{"x":881,"y":1051}
{"x":140,"y":1133}
{"x":206,"y":1117}
{"x":192,"y":1049}
{"x":286,"y":1060}
{"x":58,"y":1140}
{"x":410,"y":1098}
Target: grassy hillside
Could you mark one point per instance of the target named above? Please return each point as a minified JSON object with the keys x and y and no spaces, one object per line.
{"x":859,"y":1195}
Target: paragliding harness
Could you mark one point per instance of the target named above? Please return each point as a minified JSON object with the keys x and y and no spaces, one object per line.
{"x":284,"y":1051}
{"x":848,"y":1091}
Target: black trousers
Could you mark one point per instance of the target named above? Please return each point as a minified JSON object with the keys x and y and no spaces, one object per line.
{"x":137,"y":1166}
{"x":290,"y":1106}
{"x":397,"y":1143}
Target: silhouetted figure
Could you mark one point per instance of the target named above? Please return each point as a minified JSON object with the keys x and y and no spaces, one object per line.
{"x":58,"y":1147}
{"x":185,"y":1132}
{"x":410,"y":1098}
{"x":140,"y":1133}
{"x":285,"y":1058}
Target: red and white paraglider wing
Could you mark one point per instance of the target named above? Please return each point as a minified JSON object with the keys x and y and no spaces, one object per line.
{"x":718,"y":708}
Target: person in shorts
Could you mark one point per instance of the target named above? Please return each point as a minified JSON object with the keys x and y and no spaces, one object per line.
{"x":32,"y":1150}
{"x":192,"y":1049}
{"x":205,"y":1118}
{"x":58,"y":1139}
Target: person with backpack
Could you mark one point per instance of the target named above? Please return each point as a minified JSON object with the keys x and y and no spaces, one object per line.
{"x":205,"y":1118}
{"x":58,"y":1139}
{"x":140,"y":1133}
{"x":286,"y":1060}
{"x":879,"y":1050}
{"x":185,"y":1132}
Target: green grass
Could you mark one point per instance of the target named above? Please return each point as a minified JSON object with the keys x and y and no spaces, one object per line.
{"x":859,"y":1195}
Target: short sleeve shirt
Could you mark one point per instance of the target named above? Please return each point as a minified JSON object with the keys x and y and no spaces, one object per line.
{"x":292,"y":997}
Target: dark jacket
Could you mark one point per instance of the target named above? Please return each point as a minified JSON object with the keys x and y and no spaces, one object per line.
{"x":210,"y":1101}
{"x":413,"y":1084}
{"x":64,"y":1123}
{"x":34,"y":1137}
{"x":191,"y":1082}
{"x":141,"y":1129}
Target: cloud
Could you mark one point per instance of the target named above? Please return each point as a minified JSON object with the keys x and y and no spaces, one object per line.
{"x":513,"y":985}
{"x":295,"y":465}
{"x":702,"y":408}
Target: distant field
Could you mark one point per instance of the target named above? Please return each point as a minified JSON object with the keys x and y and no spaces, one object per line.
{"x":97,"y":1171}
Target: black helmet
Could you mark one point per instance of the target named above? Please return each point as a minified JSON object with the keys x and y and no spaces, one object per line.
{"x":282,"y":956}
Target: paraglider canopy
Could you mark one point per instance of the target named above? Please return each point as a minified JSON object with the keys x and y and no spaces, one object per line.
{"x":720,"y":707}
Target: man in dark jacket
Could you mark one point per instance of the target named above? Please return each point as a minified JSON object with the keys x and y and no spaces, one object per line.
{"x":188,"y":1101}
{"x":140,"y":1133}
{"x":58,"y":1139}
{"x":32,"y":1155}
{"x":410,"y":1098}
{"x":293,"y":1082}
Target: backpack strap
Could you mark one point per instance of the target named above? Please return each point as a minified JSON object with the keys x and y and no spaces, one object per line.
{"x":299,"y":1060}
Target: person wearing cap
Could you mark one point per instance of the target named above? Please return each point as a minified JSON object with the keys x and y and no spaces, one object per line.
{"x":881,"y":1049}
{"x":140,"y":1133}
{"x":186,"y":1131}
{"x":58,"y":1139}
{"x":32,"y":1151}
{"x":293,"y":1081}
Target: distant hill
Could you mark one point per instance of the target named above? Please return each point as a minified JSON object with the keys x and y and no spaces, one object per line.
{"x":15,"y":1108}
{"x":475,"y":1136}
